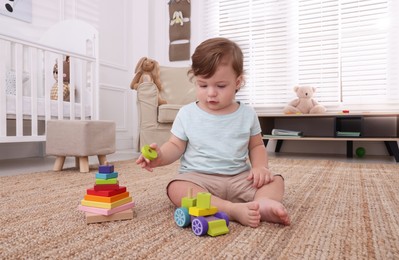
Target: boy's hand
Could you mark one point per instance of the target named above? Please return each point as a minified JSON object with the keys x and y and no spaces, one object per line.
{"x":148,"y":158}
{"x":260,"y":176}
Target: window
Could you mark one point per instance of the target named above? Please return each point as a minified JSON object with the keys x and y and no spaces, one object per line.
{"x":347,"y":49}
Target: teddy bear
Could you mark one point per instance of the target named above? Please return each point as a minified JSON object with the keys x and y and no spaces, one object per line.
{"x":304,"y":104}
{"x":65,"y":79}
{"x":147,"y":70}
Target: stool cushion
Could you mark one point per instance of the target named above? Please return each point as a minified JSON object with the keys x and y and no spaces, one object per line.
{"x":80,"y":137}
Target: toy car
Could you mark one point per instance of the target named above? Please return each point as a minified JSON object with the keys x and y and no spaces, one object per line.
{"x":204,"y":218}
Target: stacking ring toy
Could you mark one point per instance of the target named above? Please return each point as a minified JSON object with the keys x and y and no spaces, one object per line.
{"x":148,"y":152}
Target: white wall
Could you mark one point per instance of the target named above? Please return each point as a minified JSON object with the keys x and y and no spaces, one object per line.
{"x":117,"y":100}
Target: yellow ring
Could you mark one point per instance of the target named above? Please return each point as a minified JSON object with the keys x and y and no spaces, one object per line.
{"x":148,"y":152}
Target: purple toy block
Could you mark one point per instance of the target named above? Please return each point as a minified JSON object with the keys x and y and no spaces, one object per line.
{"x":109,"y":168}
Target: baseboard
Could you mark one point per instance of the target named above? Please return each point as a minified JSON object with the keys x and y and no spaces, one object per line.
{"x":22,"y":150}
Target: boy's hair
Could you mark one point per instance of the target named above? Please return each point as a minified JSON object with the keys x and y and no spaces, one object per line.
{"x":212,"y":52}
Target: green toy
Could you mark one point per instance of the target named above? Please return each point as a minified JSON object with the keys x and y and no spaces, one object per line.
{"x":149,"y":153}
{"x":360,"y":152}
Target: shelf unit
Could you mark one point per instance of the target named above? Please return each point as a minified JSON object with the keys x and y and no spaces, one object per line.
{"x":324,"y":127}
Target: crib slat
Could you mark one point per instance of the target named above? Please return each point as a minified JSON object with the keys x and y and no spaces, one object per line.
{"x":33,"y":82}
{"x":82,"y":90}
{"x":92,"y":88}
{"x":72,"y":88}
{"x":95,"y":87}
{"x":18,"y":82}
{"x":47,"y":85}
{"x":60,"y":88}
{"x":3,"y":97}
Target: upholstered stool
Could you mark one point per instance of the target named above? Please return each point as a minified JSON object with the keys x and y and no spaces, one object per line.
{"x":81,"y":139}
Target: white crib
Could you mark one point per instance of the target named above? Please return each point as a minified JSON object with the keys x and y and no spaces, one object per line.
{"x":26,"y":80}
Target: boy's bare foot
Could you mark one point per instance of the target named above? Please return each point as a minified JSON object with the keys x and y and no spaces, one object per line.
{"x":246,"y":214}
{"x":273,"y":211}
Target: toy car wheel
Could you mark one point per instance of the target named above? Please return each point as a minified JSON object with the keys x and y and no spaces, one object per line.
{"x":199,"y":226}
{"x":182,"y":218}
{"x":224,"y":216}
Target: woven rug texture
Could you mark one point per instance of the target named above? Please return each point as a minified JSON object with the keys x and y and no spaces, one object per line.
{"x":339,"y":210}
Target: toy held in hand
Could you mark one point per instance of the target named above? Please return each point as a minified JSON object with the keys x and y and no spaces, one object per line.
{"x":149,"y":153}
{"x":304,"y":104}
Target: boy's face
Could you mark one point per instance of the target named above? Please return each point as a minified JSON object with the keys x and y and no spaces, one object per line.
{"x":217,"y":94}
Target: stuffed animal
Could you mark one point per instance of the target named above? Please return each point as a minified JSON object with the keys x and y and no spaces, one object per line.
{"x":147,"y":70}
{"x":304,"y":104}
{"x":65,"y":79}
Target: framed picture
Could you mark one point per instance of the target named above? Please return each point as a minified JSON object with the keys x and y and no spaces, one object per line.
{"x":18,"y":9}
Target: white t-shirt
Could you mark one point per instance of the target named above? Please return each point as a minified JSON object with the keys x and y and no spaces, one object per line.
{"x":215,"y":143}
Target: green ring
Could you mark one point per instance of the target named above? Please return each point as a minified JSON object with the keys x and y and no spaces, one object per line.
{"x":148,"y":152}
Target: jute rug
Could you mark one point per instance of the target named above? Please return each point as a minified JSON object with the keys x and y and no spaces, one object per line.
{"x":339,"y":210}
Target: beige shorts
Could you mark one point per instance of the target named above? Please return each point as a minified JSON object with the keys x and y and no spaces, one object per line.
{"x":234,"y":188}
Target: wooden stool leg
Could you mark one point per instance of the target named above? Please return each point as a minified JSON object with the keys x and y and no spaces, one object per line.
{"x":84,"y":164}
{"x":102,"y":159}
{"x":59,"y":163}
{"x":77,"y":163}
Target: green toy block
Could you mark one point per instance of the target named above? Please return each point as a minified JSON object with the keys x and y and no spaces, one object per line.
{"x":203,"y":200}
{"x":187,"y":202}
{"x":217,"y":227}
{"x":107,"y":181}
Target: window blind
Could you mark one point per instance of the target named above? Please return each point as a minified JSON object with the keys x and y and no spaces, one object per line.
{"x":346,"y":49}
